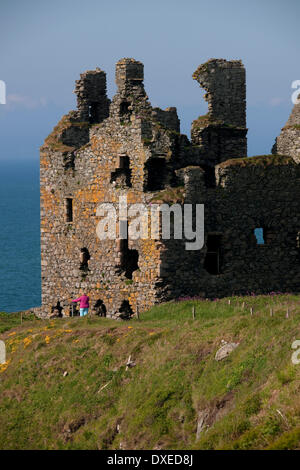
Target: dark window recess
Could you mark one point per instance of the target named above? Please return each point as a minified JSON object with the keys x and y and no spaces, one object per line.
{"x":219,"y":147}
{"x":209,"y":176}
{"x":57,"y":309}
{"x":69,"y":209}
{"x":84,"y":259}
{"x":93,"y":113}
{"x":212,"y":262}
{"x":208,"y":137}
{"x":269,"y":236}
{"x":156,"y":172}
{"x":122,"y":175}
{"x":128,"y":258}
{"x":100,"y":308}
{"x":124,"y":109}
{"x":69,"y":161}
{"x":125,"y":310}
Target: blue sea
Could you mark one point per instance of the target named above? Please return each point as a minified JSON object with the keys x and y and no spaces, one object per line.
{"x":20,"y":278}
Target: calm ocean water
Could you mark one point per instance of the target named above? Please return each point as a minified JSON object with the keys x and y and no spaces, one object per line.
{"x":20,"y":281}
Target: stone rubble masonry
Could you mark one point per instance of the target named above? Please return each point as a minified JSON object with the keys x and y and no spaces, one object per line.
{"x":288,"y":142}
{"x":104,"y":150}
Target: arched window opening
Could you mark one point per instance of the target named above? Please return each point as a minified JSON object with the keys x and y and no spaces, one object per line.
{"x":100,"y":308}
{"x":84,"y":259}
{"x":125,"y":310}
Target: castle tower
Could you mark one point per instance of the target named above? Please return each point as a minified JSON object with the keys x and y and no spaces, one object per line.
{"x":221,"y":133}
{"x":92,"y":102}
{"x":129,"y":74}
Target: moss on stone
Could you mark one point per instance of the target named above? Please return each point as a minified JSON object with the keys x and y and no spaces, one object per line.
{"x":170,"y":195}
{"x":291,"y":126}
{"x":54,"y":139}
{"x":259,"y":160}
{"x":207,"y":120}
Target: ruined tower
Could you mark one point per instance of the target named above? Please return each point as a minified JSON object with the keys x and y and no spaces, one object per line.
{"x":221,"y":133}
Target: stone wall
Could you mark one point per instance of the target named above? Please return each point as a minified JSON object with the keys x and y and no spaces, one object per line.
{"x":250,"y":194}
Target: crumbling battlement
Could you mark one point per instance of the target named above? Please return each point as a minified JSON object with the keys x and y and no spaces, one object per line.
{"x":288,"y":142}
{"x":225,"y":84}
{"x":221,"y":134}
{"x":104,"y":150}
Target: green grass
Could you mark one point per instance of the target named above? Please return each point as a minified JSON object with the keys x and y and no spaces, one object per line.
{"x":251,"y":397}
{"x":9,"y":321}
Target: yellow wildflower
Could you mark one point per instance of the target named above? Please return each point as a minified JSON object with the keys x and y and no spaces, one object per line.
{"x":12,"y":333}
{"x":4,"y":366}
{"x":47,"y":339}
{"x":27,"y":341}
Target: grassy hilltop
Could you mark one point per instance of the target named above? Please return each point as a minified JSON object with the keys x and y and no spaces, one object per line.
{"x":65,"y":383}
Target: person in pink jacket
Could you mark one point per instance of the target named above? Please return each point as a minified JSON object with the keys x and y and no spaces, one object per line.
{"x":84,"y":304}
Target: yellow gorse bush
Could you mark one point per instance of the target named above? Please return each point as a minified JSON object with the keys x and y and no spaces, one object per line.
{"x":27,"y":341}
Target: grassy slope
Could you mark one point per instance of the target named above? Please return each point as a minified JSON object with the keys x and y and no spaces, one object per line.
{"x":251,"y":398}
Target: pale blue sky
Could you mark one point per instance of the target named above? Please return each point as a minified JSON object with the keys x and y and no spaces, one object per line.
{"x":46,"y":44}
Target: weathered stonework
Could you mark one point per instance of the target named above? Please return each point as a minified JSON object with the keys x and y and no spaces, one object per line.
{"x":127,"y":148}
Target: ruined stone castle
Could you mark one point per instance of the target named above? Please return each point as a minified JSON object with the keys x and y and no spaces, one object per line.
{"x":107,"y":149}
